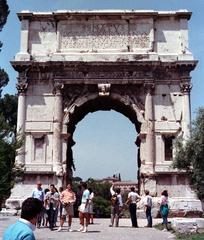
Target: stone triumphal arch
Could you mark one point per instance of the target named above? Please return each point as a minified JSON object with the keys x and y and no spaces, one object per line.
{"x":75,"y":62}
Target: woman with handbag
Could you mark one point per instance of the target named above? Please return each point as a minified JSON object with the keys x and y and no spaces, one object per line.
{"x":164,"y":208}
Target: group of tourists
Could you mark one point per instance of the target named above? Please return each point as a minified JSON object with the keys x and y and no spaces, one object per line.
{"x":117,"y":206}
{"x":61,"y":203}
{"x":44,"y":207}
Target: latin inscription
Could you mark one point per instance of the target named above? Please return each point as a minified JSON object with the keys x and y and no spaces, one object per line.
{"x":95,"y":36}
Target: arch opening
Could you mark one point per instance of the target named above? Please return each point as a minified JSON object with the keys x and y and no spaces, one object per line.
{"x":77,"y":112}
{"x":105,"y":147}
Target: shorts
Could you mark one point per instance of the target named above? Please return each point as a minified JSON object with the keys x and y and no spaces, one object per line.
{"x":83,"y":209}
{"x":67,"y":209}
{"x":115,"y":210}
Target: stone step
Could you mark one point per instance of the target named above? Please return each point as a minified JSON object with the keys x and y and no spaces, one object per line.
{"x":188,"y":225}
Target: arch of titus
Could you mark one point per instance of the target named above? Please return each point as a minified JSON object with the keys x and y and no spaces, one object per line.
{"x":71,"y":63}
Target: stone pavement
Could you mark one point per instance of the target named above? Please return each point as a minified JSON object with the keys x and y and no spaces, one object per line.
{"x":98,"y":231}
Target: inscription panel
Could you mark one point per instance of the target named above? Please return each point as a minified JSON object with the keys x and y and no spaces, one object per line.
{"x":141,"y":34}
{"x":94,"y":36}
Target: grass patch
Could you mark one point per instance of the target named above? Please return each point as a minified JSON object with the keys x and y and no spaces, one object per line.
{"x":197,"y":236}
{"x":162,"y":226}
{"x":159,"y":226}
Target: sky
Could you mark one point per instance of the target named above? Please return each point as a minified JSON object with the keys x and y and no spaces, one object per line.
{"x":105,"y":139}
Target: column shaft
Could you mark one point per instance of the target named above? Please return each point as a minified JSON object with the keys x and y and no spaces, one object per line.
{"x":149,"y":117}
{"x":20,"y":158}
{"x":57,"y":125}
{"x":186,"y":111}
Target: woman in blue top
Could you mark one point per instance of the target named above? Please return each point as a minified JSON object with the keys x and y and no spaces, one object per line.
{"x":84,"y":209}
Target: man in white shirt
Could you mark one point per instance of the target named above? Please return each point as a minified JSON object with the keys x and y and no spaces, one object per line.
{"x":148,"y":208}
{"x":132,"y":200}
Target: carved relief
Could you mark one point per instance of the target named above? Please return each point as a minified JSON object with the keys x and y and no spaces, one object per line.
{"x":100,"y":74}
{"x":104,"y":89}
{"x":130,"y":95}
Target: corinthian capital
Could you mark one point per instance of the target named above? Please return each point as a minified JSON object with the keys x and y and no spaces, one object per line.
{"x":21,"y":87}
{"x":149,"y":87}
{"x":22,"y":83}
{"x":58,"y":86}
{"x":186,"y":87}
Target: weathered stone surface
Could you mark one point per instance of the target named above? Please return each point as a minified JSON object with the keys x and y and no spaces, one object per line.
{"x":14,"y":204}
{"x":186,"y":225}
{"x":9,"y":212}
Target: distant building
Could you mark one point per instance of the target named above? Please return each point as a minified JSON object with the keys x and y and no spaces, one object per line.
{"x":123,"y":185}
{"x":126,"y":185}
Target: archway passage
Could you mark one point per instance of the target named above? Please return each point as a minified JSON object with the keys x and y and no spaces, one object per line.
{"x":105,"y":147}
{"x":105,"y":103}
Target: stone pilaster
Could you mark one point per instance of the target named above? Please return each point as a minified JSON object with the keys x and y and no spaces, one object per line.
{"x":23,"y":55}
{"x":186,"y":89}
{"x":21,"y":116}
{"x":149,"y":117}
{"x":57,"y":126}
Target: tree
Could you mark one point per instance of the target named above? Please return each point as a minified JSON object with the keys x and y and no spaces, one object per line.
{"x":8,"y":112}
{"x":4,"y":11}
{"x":102,"y":197}
{"x":3,"y":79}
{"x":189,"y":155}
{"x":8,"y":144}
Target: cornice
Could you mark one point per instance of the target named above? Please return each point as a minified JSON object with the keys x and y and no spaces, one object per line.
{"x":119,"y":14}
{"x":182,"y":65}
